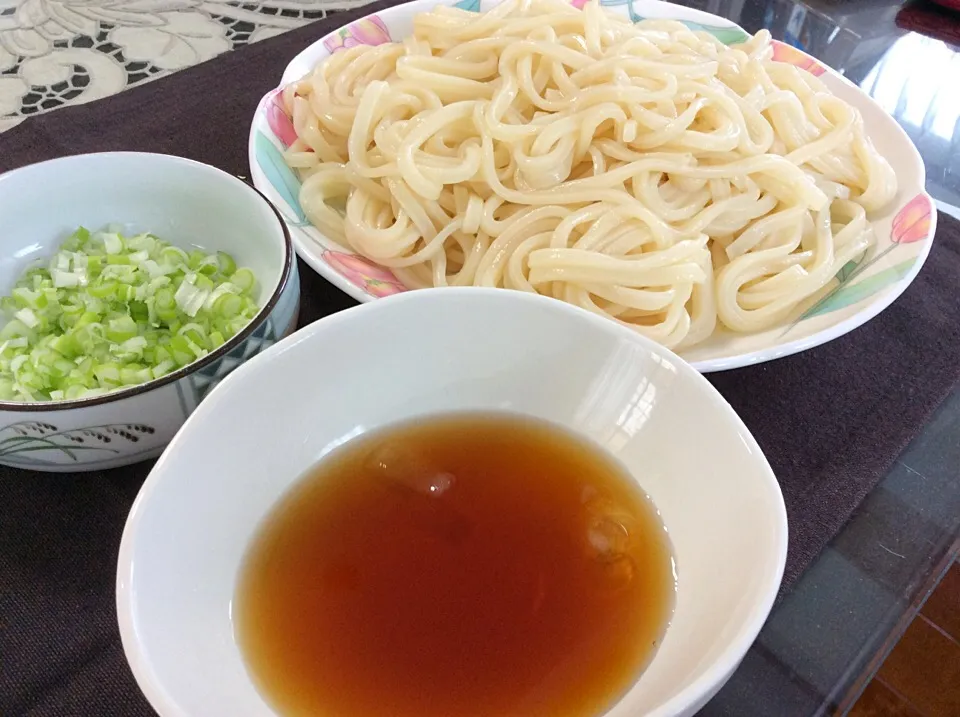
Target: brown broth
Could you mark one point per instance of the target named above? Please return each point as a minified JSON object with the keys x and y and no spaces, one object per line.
{"x":464,"y":565}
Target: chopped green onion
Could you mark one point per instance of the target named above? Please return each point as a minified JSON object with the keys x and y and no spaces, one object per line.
{"x":243,"y":279}
{"x":112,"y":243}
{"x":109,"y":311}
{"x":28,"y":318}
{"x":227,"y":264}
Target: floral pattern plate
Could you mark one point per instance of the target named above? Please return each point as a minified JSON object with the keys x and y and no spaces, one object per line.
{"x":861,"y":290}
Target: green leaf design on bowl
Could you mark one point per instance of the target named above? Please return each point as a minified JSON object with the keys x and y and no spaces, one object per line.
{"x":848,"y":294}
{"x":727,"y":35}
{"x":280,"y":176}
{"x":846,"y":271}
{"x":33,"y":436}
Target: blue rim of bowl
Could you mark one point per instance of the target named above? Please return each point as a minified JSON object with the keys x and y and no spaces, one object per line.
{"x":221,"y":351}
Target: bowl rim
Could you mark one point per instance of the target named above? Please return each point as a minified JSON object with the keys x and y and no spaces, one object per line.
{"x":693,"y":695}
{"x":228,"y":346}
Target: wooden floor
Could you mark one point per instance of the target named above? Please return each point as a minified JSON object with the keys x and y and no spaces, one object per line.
{"x":921,"y":675}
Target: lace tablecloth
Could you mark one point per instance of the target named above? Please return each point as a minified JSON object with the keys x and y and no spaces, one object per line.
{"x":61,"y":52}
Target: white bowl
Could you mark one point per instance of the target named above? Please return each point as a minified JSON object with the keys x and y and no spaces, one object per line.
{"x":183,"y":202}
{"x":422,"y":353}
{"x":861,"y":290}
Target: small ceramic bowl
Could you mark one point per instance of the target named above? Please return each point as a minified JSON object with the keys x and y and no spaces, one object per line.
{"x":422,"y":353}
{"x":183,"y":202}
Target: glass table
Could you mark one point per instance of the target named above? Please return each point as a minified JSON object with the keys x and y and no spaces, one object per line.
{"x":829,"y":635}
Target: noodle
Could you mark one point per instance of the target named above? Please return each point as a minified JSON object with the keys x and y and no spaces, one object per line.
{"x":644,"y":172}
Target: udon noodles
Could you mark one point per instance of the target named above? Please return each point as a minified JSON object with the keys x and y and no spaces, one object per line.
{"x":646,"y":172}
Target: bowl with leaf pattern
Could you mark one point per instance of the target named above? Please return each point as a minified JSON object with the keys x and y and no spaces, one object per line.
{"x":860,"y":290}
{"x":187,"y":204}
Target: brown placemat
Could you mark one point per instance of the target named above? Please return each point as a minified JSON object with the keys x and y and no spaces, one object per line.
{"x":831,"y":420}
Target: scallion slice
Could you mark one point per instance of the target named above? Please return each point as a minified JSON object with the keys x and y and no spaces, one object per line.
{"x":110,"y":311}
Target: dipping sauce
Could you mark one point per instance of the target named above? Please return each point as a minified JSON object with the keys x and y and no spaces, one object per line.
{"x":463,"y":565}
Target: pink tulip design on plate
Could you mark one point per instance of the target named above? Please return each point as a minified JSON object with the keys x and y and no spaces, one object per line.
{"x":912,"y":223}
{"x":783,"y":52}
{"x":579,"y":3}
{"x":368,"y":31}
{"x":280,"y":123}
{"x":373,"y":279}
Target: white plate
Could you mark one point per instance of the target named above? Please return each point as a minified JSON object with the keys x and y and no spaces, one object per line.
{"x":904,"y":231}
